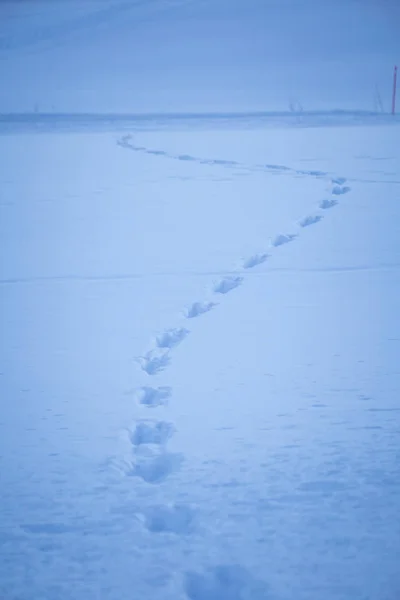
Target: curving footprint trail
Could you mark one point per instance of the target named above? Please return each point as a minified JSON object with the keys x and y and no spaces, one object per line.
{"x":152,"y":462}
{"x":126,"y":142}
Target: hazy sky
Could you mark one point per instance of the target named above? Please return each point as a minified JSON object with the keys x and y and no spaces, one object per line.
{"x":187,"y":55}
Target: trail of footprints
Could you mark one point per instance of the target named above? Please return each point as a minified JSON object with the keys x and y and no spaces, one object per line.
{"x":153,"y":463}
{"x":126,"y":141}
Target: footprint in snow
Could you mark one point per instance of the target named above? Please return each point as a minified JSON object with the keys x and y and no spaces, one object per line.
{"x":225,"y":163}
{"x":199,"y":308}
{"x":124,"y":141}
{"x":227,"y":284}
{"x":253,"y":261}
{"x":310,"y":220}
{"x":312,"y":173}
{"x":171,"y":337}
{"x":283,"y":239}
{"x":157,"y":152}
{"x":338,"y":190}
{"x":147,"y":432}
{"x":186,"y":157}
{"x":328,"y":203}
{"x":153,"y":397}
{"x":339,"y":180}
{"x":154,"y":361}
{"x":176,"y":518}
{"x":156,"y":468}
{"x":277,"y":167}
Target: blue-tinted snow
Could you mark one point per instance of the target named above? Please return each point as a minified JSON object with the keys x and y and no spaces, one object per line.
{"x":193,"y":408}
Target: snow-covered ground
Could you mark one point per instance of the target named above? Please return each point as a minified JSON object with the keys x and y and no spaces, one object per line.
{"x":189,"y":390}
{"x":200,"y":338}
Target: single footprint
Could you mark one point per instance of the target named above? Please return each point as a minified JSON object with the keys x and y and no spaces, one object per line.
{"x":154,"y":361}
{"x":176,"y":518}
{"x":199,"y":308}
{"x":313,"y":173}
{"x":147,"y":432}
{"x":281,"y":239}
{"x":253,"y":261}
{"x":153,"y":397}
{"x":339,"y":180}
{"x":224,"y":163}
{"x":328,"y":203}
{"x":156,"y":152}
{"x":124,"y":141}
{"x":310,"y":220}
{"x":338,"y":190}
{"x":227,"y":284}
{"x":156,"y":468}
{"x":186,"y":157}
{"x":277,"y":167}
{"x":171,"y":337}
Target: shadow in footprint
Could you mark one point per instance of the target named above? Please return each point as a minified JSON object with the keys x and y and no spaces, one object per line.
{"x":282,"y":239}
{"x":328,"y":203}
{"x":171,"y":337}
{"x":154,"y":362}
{"x":152,"y":433}
{"x":253,"y":261}
{"x":313,"y":173}
{"x":177,"y":518}
{"x":338,"y":190}
{"x":225,"y":582}
{"x":310,"y":220}
{"x":199,"y":308}
{"x":227,"y":284}
{"x":222,"y":162}
{"x":277,"y":167}
{"x":147,"y":432}
{"x":156,"y":468}
{"x":186,"y":157}
{"x":153,"y":397}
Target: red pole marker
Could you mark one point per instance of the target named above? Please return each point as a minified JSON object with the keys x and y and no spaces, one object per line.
{"x":394,"y":91}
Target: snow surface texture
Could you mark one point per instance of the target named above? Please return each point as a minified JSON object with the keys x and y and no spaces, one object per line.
{"x":255,"y":456}
{"x":199,"y":315}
